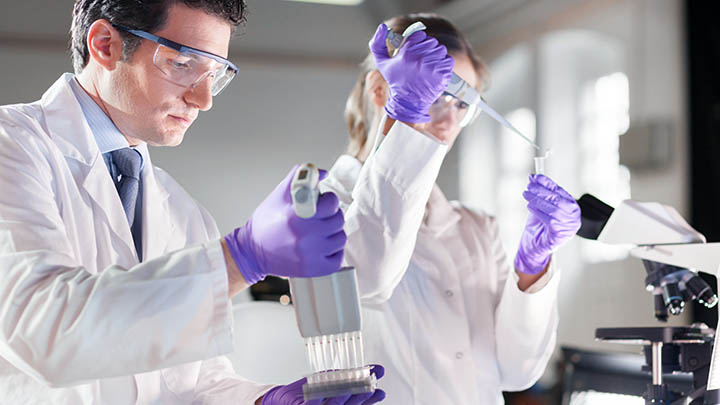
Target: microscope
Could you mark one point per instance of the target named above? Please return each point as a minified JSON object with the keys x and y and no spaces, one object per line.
{"x":672,"y":253}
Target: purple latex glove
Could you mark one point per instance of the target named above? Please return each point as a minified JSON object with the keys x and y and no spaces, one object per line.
{"x":292,"y":394}
{"x":278,"y":242}
{"x":416,"y":76}
{"x":554,"y":219}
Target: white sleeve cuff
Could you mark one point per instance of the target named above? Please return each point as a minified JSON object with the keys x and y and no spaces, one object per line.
{"x":540,"y":283}
{"x":422,"y":155}
{"x":222,"y":316}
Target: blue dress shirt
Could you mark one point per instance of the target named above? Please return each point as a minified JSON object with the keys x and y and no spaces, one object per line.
{"x":108,"y":139}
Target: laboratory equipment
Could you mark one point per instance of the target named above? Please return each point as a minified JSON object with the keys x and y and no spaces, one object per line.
{"x":304,"y":191}
{"x":327,"y":309}
{"x":672,"y":252}
{"x":669,"y":350}
{"x":412,"y":87}
{"x":274,"y":242}
{"x":592,"y":377}
{"x":540,"y":161}
{"x":458,"y":87}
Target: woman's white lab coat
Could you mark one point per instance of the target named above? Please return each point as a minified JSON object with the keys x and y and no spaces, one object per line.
{"x":441,"y":307}
{"x":77,"y":310}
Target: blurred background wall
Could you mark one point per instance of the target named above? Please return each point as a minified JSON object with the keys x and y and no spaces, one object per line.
{"x":601,"y":82}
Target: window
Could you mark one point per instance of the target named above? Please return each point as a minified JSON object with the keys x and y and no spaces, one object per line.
{"x":604,"y":117}
{"x":516,"y":157}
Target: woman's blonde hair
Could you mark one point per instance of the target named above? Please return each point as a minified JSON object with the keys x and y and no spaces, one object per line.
{"x":359,"y":108}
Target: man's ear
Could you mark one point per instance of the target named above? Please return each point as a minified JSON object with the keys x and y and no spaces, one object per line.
{"x":104,"y":44}
{"x":376,"y":88}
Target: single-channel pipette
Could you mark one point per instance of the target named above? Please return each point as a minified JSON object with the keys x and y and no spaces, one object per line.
{"x":458,"y":87}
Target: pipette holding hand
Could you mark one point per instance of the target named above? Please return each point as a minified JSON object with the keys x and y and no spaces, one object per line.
{"x":276,"y":241}
{"x":416,"y":76}
{"x":553,"y":219}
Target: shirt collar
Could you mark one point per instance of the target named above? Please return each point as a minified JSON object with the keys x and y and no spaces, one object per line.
{"x":106,"y":134}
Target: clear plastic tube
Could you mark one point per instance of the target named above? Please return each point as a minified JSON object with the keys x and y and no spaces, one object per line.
{"x":540,"y":161}
{"x":540,"y":165}
{"x":326,"y":362}
{"x":309,"y":351}
{"x":354,"y":351}
{"x":319,"y":352}
{"x":362,"y":351}
{"x":346,"y":344}
{"x":338,"y":364}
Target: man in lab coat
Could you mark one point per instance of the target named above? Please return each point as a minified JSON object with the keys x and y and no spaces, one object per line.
{"x":114,"y":282}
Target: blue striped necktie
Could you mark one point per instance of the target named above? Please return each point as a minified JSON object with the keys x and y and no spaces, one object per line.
{"x":128,"y":162}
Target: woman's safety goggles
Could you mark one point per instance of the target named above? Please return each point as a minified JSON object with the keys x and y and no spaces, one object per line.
{"x":460,"y":99}
{"x":463,"y":113}
{"x":186,"y":66}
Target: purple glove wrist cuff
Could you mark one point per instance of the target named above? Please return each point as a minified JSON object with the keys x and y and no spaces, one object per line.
{"x":396,"y":110}
{"x":268,"y":395}
{"x":249,"y":268}
{"x":524,"y":263}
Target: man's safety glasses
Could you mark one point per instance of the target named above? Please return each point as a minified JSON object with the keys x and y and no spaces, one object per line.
{"x":186,"y":66}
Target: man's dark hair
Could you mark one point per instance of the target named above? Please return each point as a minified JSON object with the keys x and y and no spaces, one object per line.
{"x":146,"y":15}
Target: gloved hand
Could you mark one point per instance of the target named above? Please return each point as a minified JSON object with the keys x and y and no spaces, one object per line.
{"x":278,"y":242}
{"x":292,"y":394}
{"x":416,"y":76}
{"x":554,"y":219}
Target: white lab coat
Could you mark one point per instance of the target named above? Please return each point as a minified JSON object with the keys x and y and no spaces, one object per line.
{"x":77,"y":310}
{"x":441,"y":307}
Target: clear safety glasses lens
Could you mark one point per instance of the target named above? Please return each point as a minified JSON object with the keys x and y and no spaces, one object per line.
{"x":222,"y":79}
{"x":470,"y":117}
{"x":189,"y":69}
{"x":462,"y":113}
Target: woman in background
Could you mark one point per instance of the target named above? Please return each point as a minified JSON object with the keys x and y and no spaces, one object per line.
{"x":443,"y":310}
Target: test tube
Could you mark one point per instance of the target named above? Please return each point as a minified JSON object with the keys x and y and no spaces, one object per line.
{"x":539,"y":164}
{"x":540,"y":161}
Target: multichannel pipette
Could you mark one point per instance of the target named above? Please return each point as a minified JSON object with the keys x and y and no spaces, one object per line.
{"x":328,"y":314}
